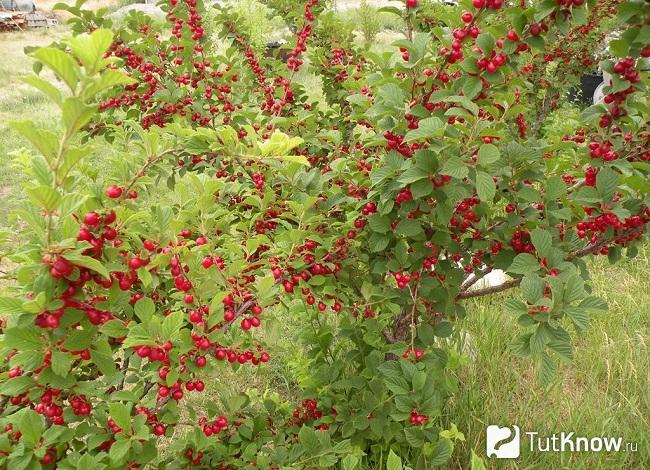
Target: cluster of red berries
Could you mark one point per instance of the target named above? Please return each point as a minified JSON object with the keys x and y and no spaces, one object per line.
{"x":464,"y":216}
{"x":569,"y":3}
{"x":492,"y":4}
{"x":294,"y":63}
{"x":417,"y":419}
{"x":49,"y":319}
{"x":195,"y":459}
{"x":520,"y":242}
{"x":403,"y":279}
{"x":215,"y":427}
{"x":233,"y":356}
{"x":157,"y":428}
{"x":194,"y":21}
{"x":493,"y":62}
{"x":590,"y":176}
{"x":599,"y":225}
{"x":175,"y":391}
{"x":413,"y":354}
{"x":602,"y":150}
{"x":155,"y":354}
{"x":48,"y":408}
{"x":396,"y":142}
{"x":258,"y":180}
{"x":308,"y":411}
{"x":60,"y":268}
{"x":405,"y":195}
{"x":97,"y":229}
{"x":80,"y":405}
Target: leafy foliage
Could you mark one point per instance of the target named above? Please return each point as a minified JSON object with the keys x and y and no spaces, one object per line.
{"x":235,"y":203}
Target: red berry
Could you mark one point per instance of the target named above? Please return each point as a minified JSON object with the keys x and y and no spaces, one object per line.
{"x":113,"y":191}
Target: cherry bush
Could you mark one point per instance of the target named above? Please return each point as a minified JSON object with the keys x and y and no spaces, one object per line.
{"x":197,"y":202}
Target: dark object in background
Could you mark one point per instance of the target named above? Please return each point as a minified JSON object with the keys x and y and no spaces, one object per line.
{"x":588,"y":84}
{"x":274,"y":49}
{"x":17,"y":5}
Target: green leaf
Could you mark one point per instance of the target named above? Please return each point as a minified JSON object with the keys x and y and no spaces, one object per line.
{"x":76,"y":114}
{"x":114,"y":329}
{"x":45,"y":196}
{"x":90,"y":48}
{"x":16,"y":386}
{"x":427,"y":129}
{"x":379,"y":223}
{"x":121,"y":414}
{"x":409,"y":228}
{"x":532,"y":286}
{"x":44,"y":86}
{"x":119,"y":451}
{"x":524,"y":263}
{"x":419,"y":379}
{"x":455,"y":168}
{"x":11,"y":306}
{"x":593,"y":303}
{"x":476,"y":463}
{"x":61,"y":64}
{"x":308,"y":438}
{"x":61,"y":363}
{"x":472,"y":87}
{"x":579,"y":317}
{"x":563,"y":348}
{"x":542,"y":241}
{"x":108,"y":79}
{"x":30,"y":424}
{"x":394,"y":462}
{"x":392,"y":95}
{"x":102,"y":356}
{"x":88,"y":262}
{"x":486,"y":188}
{"x":23,"y":339}
{"x":350,"y":462}
{"x":300,"y":159}
{"x":607,"y":183}
{"x":521,"y":344}
{"x":144,"y":309}
{"x":172,"y":325}
{"x":486,"y":42}
{"x":441,"y":452}
{"x":488,"y":154}
{"x":547,"y":369}
{"x":44,"y":141}
{"x":79,"y":339}
{"x":421,"y":188}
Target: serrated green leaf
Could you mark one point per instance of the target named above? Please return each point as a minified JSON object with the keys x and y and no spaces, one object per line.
{"x":408,"y":228}
{"x":488,"y":154}
{"x":486,"y":188}
{"x":393,"y":462}
{"x":524,"y":263}
{"x":542,"y":241}
{"x":427,"y":129}
{"x":89,"y":263}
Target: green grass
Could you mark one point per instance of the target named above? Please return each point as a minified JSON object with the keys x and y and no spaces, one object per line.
{"x":18,"y":102}
{"x":604,"y":392}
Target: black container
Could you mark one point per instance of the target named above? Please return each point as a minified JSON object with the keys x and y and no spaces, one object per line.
{"x":589,"y":82}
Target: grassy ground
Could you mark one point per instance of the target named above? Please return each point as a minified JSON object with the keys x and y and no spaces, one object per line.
{"x":605,"y":392}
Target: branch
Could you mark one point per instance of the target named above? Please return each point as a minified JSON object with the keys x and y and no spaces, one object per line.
{"x":588,"y":250}
{"x":125,"y":366}
{"x":489,"y":290}
{"x":240,"y":311}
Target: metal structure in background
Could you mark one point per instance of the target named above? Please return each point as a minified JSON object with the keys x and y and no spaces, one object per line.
{"x":19,"y":15}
